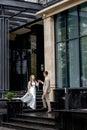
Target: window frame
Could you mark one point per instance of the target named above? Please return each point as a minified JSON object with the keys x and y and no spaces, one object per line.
{"x":67,"y":47}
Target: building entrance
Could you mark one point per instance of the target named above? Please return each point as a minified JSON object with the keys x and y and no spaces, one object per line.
{"x":26,"y":58}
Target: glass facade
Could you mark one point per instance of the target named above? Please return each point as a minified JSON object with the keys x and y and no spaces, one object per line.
{"x":62,"y":67}
{"x":71,"y":47}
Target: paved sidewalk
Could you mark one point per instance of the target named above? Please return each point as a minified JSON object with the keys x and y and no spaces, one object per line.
{"x":3,"y":128}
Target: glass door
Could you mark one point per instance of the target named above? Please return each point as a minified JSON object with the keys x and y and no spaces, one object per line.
{"x":23,"y":62}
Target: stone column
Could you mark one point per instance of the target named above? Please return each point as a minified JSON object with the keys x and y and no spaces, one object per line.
{"x":49,"y":51}
{"x":4,"y":55}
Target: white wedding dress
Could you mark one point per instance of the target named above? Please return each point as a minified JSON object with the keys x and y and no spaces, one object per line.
{"x":31,"y":98}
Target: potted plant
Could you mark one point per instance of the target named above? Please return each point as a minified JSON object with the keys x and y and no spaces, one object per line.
{"x":10,"y":96}
{"x":14,"y":106}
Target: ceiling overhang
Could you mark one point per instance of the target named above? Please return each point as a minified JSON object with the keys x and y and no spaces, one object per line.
{"x":19,"y":12}
{"x":59,"y":7}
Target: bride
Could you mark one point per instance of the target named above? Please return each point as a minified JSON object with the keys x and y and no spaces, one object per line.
{"x":30,"y":96}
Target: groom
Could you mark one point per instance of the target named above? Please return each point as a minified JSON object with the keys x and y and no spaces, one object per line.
{"x":46,"y":91}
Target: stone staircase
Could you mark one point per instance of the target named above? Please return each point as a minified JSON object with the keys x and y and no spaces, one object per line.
{"x":19,"y":94}
{"x":31,"y":121}
{"x":39,"y":104}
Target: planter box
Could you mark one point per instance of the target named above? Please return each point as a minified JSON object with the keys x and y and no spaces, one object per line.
{"x":14,"y":107}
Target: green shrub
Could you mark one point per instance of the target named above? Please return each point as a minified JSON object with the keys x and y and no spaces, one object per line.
{"x":9,"y":95}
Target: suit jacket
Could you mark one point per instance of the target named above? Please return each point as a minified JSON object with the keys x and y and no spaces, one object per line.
{"x":46,"y":86}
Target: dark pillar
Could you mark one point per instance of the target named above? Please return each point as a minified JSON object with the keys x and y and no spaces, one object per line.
{"x":38,"y":30}
{"x":66,"y":99}
{"x":4,"y":54}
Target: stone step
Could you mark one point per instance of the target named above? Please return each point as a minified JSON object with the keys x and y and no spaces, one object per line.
{"x":45,"y":124}
{"x":19,"y":96}
{"x":38,"y":99}
{"x":38,"y":106}
{"x":39,"y":103}
{"x":22,"y":93}
{"x":27,"y":110}
{"x":39,"y":96}
{"x":39,"y":91}
{"x":20,"y":126}
{"x":40,"y":116}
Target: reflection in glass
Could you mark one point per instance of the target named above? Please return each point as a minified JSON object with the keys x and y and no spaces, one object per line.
{"x":33,"y":55}
{"x":72,"y":20}
{"x":83,"y":19}
{"x":21,"y":62}
{"x":84,"y":61}
{"x":61,"y":65}
{"x":74,"y":63}
{"x":71,"y":31}
{"x":60,"y":27}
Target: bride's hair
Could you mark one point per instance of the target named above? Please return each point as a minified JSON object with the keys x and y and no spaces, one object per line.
{"x":32,"y":79}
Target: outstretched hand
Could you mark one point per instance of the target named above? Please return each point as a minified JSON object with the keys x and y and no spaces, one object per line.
{"x":39,"y":81}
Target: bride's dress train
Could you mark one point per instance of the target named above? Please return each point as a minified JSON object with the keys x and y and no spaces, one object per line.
{"x":30,"y":98}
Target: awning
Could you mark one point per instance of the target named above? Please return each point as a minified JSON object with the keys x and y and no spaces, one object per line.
{"x":19,"y":12}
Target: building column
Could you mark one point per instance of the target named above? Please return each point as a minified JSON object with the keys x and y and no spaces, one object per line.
{"x":4,"y":55}
{"x":49,"y":51}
